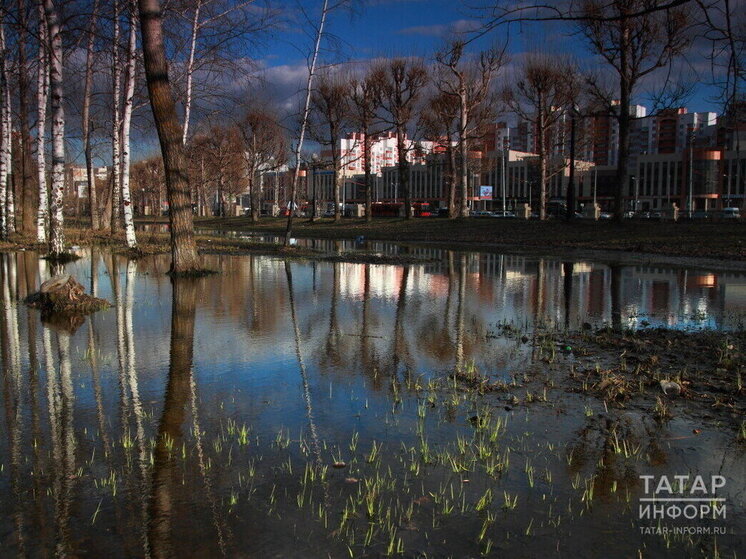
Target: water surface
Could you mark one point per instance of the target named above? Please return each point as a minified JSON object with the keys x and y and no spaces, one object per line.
{"x":205,"y":417}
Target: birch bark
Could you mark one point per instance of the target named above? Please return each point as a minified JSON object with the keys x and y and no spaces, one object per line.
{"x":4,"y":137}
{"x":42,"y":98}
{"x":129,"y":226}
{"x":116,"y":126}
{"x":304,"y":121}
{"x":56,"y":234}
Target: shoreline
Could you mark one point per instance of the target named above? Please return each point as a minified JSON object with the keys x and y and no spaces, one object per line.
{"x":707,"y":246}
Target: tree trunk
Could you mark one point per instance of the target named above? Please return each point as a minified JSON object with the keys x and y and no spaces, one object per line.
{"x":625,"y":91}
{"x":42,"y":96}
{"x":367,"y":171}
{"x":56,"y":233}
{"x":27,"y":190}
{"x":86,"y":123}
{"x":190,"y":71}
{"x":129,"y":225}
{"x":304,"y":122}
{"x":451,"y":179}
{"x":116,"y":122}
{"x":403,"y":168}
{"x":337,"y":189}
{"x":541,"y":133}
{"x":622,"y":176}
{"x":161,"y":508}
{"x":463,"y":146}
{"x":254,"y":194}
{"x":183,"y":246}
{"x":5,"y":145}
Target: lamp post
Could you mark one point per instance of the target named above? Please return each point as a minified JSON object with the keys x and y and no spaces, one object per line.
{"x":571,"y":176}
{"x":502,"y":177}
{"x":727,"y":178}
{"x":637,"y":194}
{"x":314,"y":164}
{"x":690,"y":197}
{"x":595,"y":184}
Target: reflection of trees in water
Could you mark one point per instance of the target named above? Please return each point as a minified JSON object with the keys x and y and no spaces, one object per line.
{"x":460,"y":313}
{"x":170,"y":434}
{"x":613,"y":445}
{"x":60,"y":402}
{"x":132,"y":383}
{"x":180,"y":390}
{"x":12,"y":391}
{"x":30,"y":267}
{"x":616,"y":296}
{"x":331,"y":347}
{"x":400,"y":350}
{"x":567,"y":271}
{"x":316,"y":448}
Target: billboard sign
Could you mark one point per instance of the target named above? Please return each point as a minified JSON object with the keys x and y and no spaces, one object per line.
{"x":485,"y":193}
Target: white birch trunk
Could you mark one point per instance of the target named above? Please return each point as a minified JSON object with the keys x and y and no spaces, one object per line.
{"x":190,"y":71}
{"x":42,"y":97}
{"x":10,"y":211}
{"x":116,"y":125}
{"x":304,"y":121}
{"x":129,"y":226}
{"x":4,"y":137}
{"x":56,"y":234}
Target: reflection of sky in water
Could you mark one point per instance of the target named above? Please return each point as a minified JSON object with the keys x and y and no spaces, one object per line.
{"x":358,"y":325}
{"x":243,"y":330}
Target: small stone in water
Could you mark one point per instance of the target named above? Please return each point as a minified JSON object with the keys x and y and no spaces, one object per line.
{"x":339,"y":464}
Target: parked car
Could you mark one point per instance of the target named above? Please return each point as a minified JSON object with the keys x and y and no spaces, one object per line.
{"x":731,"y":213}
{"x":481,"y":213}
{"x":700,"y":214}
{"x":605,"y":215}
{"x":503,"y":214}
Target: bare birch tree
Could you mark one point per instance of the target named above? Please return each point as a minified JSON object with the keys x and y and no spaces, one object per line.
{"x":185,"y":260}
{"x":543,"y":89}
{"x":366,"y":98}
{"x":5,"y":137}
{"x":439,"y":122}
{"x":42,"y":98}
{"x":129,"y":95}
{"x":330,"y":103}
{"x":634,"y":47}
{"x":86,"y":123}
{"x":263,"y":148}
{"x":116,"y":123}
{"x":221,"y":20}
{"x":470,"y":82}
{"x":304,"y":119}
{"x":405,"y":80}
{"x":56,"y":232}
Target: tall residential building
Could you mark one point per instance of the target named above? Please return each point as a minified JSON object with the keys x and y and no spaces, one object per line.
{"x":383,"y":152}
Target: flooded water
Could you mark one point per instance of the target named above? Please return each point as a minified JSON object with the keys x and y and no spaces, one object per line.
{"x":304,"y":409}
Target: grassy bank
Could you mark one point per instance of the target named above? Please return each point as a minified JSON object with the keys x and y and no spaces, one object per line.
{"x":156,"y":242}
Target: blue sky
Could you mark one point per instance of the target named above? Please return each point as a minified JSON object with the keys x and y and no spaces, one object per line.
{"x":385,"y":28}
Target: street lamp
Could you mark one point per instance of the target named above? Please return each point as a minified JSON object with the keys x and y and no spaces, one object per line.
{"x":571,"y":177}
{"x":637,"y":193}
{"x":595,"y":184}
{"x":314,"y":164}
